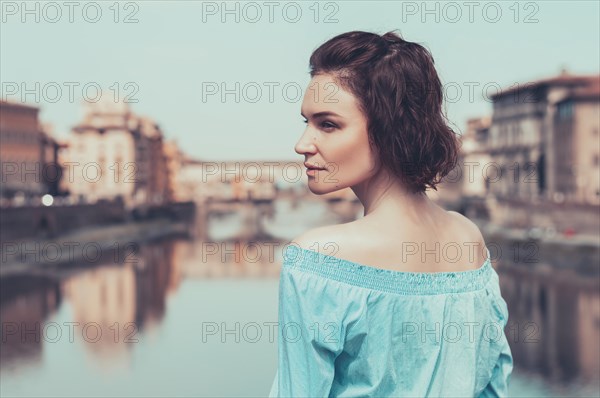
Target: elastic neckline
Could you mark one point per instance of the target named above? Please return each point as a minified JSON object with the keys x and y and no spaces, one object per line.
{"x":400,"y":282}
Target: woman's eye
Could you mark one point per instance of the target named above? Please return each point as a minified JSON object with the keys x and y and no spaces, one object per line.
{"x":324,"y":125}
{"x":328,"y":125}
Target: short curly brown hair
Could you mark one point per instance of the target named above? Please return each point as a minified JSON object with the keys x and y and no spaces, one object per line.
{"x":401,"y":95}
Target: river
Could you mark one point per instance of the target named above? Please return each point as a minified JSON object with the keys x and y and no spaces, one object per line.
{"x":178,"y":318}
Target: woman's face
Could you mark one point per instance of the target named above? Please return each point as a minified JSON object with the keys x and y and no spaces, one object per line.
{"x":335,"y":137}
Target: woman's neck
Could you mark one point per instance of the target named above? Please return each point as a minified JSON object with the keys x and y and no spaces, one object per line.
{"x":387,"y":200}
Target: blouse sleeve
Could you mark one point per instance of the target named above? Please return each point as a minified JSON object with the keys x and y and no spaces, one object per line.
{"x":503,"y":367}
{"x":498,"y":385}
{"x":310,"y":332}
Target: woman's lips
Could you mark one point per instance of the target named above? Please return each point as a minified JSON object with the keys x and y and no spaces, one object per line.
{"x":312,"y":172}
{"x":313,"y":167}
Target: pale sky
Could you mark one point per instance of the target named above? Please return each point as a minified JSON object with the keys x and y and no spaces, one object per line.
{"x":177,"y":49}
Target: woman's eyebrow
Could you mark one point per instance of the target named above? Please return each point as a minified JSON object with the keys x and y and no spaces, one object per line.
{"x":320,"y":114}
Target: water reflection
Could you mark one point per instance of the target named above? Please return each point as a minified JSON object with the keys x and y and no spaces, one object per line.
{"x":109,"y":305}
{"x":113,"y":320}
{"x":233,"y":259}
{"x":554,"y":325}
{"x":25,"y":303}
{"x":139,"y":328}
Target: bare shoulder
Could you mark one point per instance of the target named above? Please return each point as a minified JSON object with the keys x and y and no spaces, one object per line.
{"x":473,"y":234}
{"x":467,"y":225}
{"x":326,"y":239}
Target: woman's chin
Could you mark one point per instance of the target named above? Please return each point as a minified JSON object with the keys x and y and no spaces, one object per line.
{"x":321,"y":188}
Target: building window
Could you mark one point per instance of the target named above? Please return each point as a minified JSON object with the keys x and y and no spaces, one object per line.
{"x":565,"y":110}
{"x":541,"y":168}
{"x":596,"y":159}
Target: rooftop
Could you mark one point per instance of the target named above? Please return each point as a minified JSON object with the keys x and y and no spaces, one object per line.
{"x":564,"y":79}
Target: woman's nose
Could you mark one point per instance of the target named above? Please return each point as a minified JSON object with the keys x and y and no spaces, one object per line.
{"x":306,"y":144}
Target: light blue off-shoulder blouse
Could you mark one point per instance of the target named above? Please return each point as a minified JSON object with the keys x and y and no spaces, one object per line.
{"x":352,"y":330}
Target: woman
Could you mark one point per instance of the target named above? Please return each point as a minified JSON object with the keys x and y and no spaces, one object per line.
{"x":403,"y":301}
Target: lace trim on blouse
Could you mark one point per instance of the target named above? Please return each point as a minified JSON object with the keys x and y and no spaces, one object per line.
{"x":399,"y":282}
